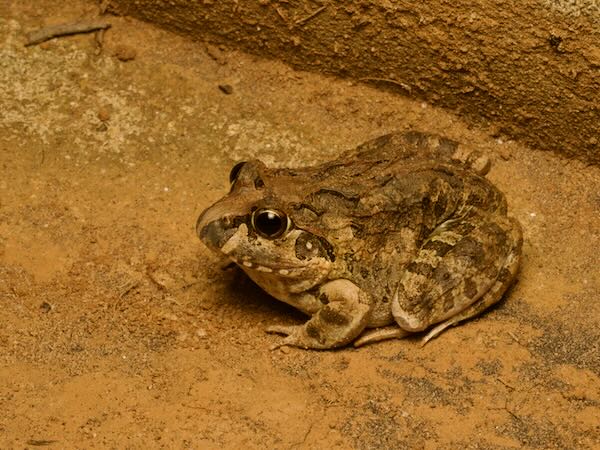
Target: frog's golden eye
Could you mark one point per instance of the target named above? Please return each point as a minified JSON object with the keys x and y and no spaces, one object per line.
{"x":270,"y":223}
{"x":235,"y":171}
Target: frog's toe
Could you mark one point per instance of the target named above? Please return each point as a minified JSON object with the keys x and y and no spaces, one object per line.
{"x":380,"y":334}
{"x":293,"y":337}
{"x":280,"y":344}
{"x":285,"y":330}
{"x":435,"y":331}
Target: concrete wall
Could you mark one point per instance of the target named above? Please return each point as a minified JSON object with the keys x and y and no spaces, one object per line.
{"x":529,"y":69}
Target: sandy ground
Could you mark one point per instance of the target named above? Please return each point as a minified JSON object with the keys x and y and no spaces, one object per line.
{"x":118,"y":329}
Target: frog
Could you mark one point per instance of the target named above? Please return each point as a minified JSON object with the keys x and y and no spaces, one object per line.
{"x":403,"y":234}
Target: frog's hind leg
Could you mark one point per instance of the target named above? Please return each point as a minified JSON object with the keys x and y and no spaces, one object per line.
{"x":380,"y":334}
{"x":502,"y":283}
{"x":464,"y":267}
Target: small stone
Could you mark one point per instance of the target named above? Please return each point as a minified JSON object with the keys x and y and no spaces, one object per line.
{"x":125,"y":53}
{"x":104,"y":113}
{"x":46,"y":307}
{"x":226,"y":89}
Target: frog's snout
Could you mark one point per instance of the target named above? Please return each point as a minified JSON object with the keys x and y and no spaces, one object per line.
{"x":215,"y":230}
{"x":211,"y":232}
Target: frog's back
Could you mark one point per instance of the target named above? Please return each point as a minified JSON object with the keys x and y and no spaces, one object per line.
{"x":419,"y":147}
{"x":395,"y":173}
{"x":423,"y":168}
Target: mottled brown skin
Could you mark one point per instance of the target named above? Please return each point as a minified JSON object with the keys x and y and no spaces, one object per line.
{"x":403,"y":230}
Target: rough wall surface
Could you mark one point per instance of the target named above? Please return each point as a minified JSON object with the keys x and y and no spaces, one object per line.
{"x":530,"y":70}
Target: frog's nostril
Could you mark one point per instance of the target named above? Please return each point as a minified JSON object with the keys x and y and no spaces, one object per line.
{"x":211,"y":233}
{"x":216,"y":233}
{"x":209,"y":224}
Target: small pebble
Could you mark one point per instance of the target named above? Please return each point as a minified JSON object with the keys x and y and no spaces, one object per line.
{"x":226,"y":89}
{"x":103,"y":113}
{"x":125,"y":53}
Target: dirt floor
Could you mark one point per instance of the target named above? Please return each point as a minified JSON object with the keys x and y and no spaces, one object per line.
{"x":118,"y":329}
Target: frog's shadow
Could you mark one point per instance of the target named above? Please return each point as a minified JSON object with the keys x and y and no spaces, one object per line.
{"x":248,"y":297}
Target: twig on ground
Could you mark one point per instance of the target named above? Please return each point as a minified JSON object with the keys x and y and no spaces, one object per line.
{"x":83,"y":26}
{"x":512,"y":335}
{"x":404,"y":86}
{"x":281,"y":13}
{"x":41,"y":442}
{"x":310,"y":16}
{"x":505,"y":383}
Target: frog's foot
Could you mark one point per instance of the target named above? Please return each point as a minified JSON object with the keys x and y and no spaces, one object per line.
{"x":380,"y":334}
{"x":285,"y":330}
{"x":307,"y":336}
{"x":461,"y":270}
{"x":340,"y":320}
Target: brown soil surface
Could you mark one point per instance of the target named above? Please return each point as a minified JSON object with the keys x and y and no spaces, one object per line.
{"x":118,"y":329}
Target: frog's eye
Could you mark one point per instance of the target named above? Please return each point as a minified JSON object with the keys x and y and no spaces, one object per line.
{"x":270,"y":223}
{"x":235,"y":171}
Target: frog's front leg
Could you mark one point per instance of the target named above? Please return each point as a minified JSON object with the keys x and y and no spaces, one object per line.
{"x":342,"y":318}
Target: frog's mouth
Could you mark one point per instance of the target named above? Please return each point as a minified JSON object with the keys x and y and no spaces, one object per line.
{"x":283,"y":270}
{"x":281,"y":281}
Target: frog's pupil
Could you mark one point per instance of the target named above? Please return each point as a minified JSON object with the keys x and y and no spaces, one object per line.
{"x":270,"y":223}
